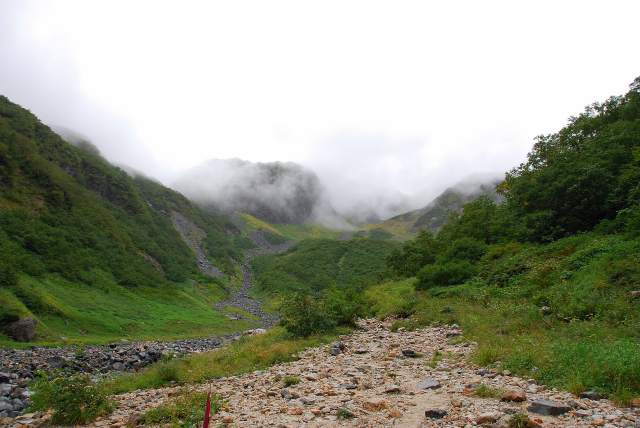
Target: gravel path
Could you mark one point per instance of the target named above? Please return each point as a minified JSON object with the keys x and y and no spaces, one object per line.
{"x":378,"y":378}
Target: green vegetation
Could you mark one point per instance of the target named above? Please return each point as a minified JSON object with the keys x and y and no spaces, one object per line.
{"x":291,"y":380}
{"x":114,"y":311}
{"x":544,"y":281}
{"x":292,"y":232}
{"x":313,"y":265}
{"x":74,"y":399}
{"x":82,"y":242}
{"x":521,"y":420}
{"x":248,"y":354}
{"x":186,"y":408}
{"x":485,"y":391}
{"x":320,"y":282}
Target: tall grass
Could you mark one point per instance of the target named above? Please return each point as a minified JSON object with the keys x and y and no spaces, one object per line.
{"x":249,"y":353}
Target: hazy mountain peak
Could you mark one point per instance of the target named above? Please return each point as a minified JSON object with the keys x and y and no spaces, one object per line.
{"x":273,"y":191}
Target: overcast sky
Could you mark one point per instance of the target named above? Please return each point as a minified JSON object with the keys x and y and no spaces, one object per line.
{"x":371,"y":95}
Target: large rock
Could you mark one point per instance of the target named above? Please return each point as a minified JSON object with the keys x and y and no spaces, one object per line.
{"x":489,"y":417}
{"x":516,"y":395}
{"x":23,"y":330}
{"x":429,"y":384}
{"x":548,"y":408}
{"x":376,"y":404}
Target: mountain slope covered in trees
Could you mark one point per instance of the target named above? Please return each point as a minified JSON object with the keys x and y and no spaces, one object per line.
{"x":69,"y":221}
{"x":548,"y":281}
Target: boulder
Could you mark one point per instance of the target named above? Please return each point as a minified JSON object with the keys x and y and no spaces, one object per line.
{"x":591,"y":395}
{"x":488,"y":417}
{"x":548,"y":408}
{"x":429,"y":384}
{"x":376,"y":404}
{"x":23,"y":330}
{"x":516,"y":395}
{"x":435,"y":413}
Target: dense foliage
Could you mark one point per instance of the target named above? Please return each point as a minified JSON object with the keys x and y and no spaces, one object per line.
{"x":546,"y":281}
{"x":585,"y":177}
{"x":315,"y":264}
{"x":65,"y":211}
{"x":321,"y":281}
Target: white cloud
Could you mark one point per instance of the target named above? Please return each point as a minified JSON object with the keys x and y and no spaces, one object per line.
{"x":416,"y":93}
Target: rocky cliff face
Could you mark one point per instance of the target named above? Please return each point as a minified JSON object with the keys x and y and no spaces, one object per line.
{"x":276,"y":192}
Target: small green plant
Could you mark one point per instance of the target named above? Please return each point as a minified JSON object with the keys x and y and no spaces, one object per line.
{"x":187,"y":408}
{"x":344,"y":414}
{"x":291,"y":380}
{"x":437,"y":356}
{"x":484,"y":391}
{"x":520,"y":420}
{"x":277,"y":378}
{"x":168,"y":371}
{"x":74,"y":399}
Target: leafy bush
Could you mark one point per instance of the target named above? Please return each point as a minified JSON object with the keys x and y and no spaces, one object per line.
{"x":444,"y":274}
{"x":466,"y":249}
{"x":304,"y":315}
{"x":414,"y":254}
{"x":345,"y":304}
{"x":74,"y":399}
{"x":274,"y":239}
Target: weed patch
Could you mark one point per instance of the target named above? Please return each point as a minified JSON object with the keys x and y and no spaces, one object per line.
{"x":74,"y":399}
{"x":185,"y":409}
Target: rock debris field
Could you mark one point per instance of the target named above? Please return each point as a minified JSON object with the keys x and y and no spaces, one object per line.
{"x":378,"y":378}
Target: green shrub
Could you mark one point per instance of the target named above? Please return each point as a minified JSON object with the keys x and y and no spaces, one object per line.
{"x":468,"y":249}
{"x":291,"y":380}
{"x":444,"y":274}
{"x":304,"y":315}
{"x":274,"y":239}
{"x":74,"y":399}
{"x":344,"y":305}
{"x":520,"y":420}
{"x":485,"y":391}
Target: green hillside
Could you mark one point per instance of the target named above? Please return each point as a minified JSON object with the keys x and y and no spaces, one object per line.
{"x":315,"y":264}
{"x":434,"y":215}
{"x":287,"y":231}
{"x":74,"y":229}
{"x":547,"y":282}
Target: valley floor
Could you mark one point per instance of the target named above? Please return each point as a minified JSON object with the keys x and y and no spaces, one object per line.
{"x":371,"y":383}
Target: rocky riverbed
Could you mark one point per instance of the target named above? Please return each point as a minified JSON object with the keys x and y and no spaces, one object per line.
{"x":379,"y":378}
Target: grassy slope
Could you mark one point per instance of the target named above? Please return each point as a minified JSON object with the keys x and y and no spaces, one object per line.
{"x":294,"y":232}
{"x":73,"y":233}
{"x":315,"y":264}
{"x":431,"y":217}
{"x":586,"y":337}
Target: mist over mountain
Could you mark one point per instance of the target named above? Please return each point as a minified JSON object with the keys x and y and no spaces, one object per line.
{"x":434,"y":214}
{"x":277,"y":192}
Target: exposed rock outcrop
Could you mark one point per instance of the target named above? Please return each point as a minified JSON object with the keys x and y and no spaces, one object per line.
{"x":23,"y":330}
